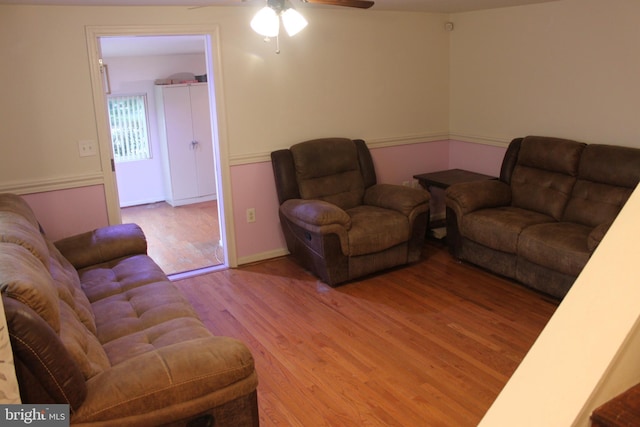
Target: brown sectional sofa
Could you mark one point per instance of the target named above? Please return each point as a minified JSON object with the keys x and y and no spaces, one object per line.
{"x":96,"y":324}
{"x":542,"y":219}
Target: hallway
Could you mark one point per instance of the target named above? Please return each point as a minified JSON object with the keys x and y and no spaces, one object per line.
{"x":179,"y":238}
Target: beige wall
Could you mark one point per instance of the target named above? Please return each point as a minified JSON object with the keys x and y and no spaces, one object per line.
{"x":568,"y":68}
{"x":353,"y":73}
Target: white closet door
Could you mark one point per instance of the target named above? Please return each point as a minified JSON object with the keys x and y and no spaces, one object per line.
{"x":201,"y":119}
{"x":180,"y":138}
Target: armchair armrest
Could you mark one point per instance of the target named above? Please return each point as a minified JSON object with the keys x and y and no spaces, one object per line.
{"x":397,"y":197}
{"x":319,"y":218}
{"x":103,"y":244}
{"x":467,"y":197}
{"x":315,"y":213}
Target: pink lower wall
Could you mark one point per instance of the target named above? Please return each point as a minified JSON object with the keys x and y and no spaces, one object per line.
{"x":480,"y":158}
{"x":397,"y":164}
{"x":63,"y":213}
{"x":67,"y":212}
{"x":253,"y":186}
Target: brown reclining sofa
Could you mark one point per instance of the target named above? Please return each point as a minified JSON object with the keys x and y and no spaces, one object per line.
{"x":94,"y":323}
{"x":542,"y":219}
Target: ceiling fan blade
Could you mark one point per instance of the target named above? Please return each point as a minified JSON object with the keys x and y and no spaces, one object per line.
{"x":362,"y":4}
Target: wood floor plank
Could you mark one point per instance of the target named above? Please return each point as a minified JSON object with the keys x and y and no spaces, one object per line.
{"x":430,"y":344}
{"x":181,"y":238}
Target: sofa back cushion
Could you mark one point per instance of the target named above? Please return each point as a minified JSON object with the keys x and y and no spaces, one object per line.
{"x":328,"y":169}
{"x":545,"y":174}
{"x":65,"y":278}
{"x":606,"y":178}
{"x":16,"y":229}
{"x":25,"y":279}
{"x":34,"y":272}
{"x":13,"y":203}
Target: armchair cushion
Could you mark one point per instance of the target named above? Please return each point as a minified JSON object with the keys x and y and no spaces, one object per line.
{"x":329,"y":171}
{"x":375,"y":229}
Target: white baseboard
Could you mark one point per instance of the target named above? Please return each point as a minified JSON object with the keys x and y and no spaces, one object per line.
{"x":263,"y":256}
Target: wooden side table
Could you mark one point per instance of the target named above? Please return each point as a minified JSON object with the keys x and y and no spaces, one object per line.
{"x":443,"y":179}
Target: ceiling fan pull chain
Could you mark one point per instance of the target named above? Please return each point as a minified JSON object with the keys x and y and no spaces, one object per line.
{"x":278,"y":44}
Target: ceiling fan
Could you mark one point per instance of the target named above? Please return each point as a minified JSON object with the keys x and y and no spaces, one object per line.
{"x":267,"y":21}
{"x":361,"y":4}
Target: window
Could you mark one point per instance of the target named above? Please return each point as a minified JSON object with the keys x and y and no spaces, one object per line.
{"x":129,"y":129}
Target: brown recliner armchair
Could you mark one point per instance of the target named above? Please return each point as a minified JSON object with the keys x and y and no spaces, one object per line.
{"x":337,"y":221}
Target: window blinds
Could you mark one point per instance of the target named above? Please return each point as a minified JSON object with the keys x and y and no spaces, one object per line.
{"x":129,"y":129}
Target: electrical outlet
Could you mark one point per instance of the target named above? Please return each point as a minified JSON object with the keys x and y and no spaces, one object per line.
{"x":87,"y":148}
{"x":251,"y":215}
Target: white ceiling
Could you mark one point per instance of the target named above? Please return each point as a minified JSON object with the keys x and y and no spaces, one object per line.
{"x":439,"y":6}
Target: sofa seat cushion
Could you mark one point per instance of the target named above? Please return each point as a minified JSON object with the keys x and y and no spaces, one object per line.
{"x":119,"y":275}
{"x":480,"y":226}
{"x":154,"y":337}
{"x":375,"y":229}
{"x":139,"y":309}
{"x":561,"y":246}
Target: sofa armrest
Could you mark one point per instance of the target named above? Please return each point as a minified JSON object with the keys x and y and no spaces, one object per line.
{"x":103,"y":244}
{"x":315,"y":213}
{"x":169,"y":383}
{"x":397,"y":197}
{"x":467,"y":197}
{"x":596,"y":235}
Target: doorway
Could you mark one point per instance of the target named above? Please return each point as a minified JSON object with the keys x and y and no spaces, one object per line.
{"x":187,"y":237}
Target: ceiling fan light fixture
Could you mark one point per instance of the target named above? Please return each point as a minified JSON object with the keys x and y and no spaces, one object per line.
{"x":266,"y":22}
{"x":293,"y":21}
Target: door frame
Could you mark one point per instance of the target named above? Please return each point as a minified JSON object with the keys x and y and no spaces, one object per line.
{"x":218,"y":118}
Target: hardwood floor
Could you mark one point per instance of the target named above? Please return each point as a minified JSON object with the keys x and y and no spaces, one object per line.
{"x":181,"y":238}
{"x":431,"y":344}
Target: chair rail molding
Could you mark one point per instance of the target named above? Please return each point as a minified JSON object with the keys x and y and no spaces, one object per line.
{"x":52,"y":184}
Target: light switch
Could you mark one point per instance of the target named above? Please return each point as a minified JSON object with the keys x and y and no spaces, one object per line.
{"x":87,"y":148}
